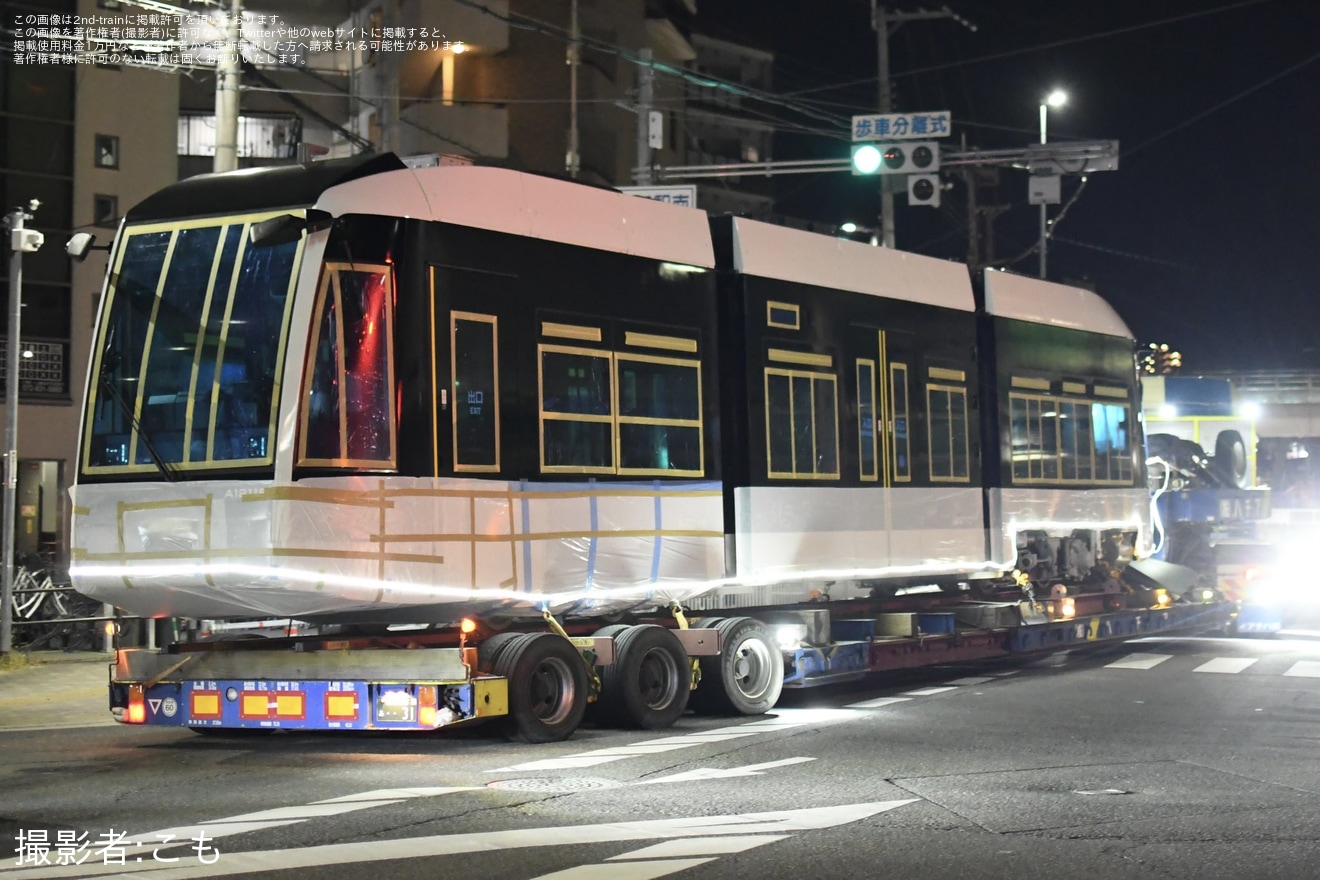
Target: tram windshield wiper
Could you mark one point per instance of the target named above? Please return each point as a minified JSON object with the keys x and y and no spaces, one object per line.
{"x":166,"y":469}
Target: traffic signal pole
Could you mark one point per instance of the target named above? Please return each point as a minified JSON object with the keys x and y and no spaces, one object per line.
{"x":881,"y":21}
{"x":21,"y":241}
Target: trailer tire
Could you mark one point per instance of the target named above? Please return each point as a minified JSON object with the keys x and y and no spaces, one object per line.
{"x":748,"y":674}
{"x":488,"y":652}
{"x":648,"y":684}
{"x":547,"y":687}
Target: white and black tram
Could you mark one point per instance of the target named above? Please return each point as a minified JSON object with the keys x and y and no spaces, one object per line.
{"x":362,"y":391}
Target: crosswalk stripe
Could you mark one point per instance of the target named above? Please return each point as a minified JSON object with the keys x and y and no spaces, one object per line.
{"x":1305,"y":669}
{"x":878,"y":702}
{"x":1227,"y":665}
{"x":929,"y":692}
{"x":1139,"y":661}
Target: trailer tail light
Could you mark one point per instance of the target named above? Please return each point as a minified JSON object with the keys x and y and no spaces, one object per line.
{"x":137,"y":705}
{"x":426,"y":699}
{"x":1067,"y":608}
{"x":1162,"y":599}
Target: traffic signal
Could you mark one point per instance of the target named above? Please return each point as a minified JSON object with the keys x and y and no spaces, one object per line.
{"x":914,"y":157}
{"x":924,"y":189}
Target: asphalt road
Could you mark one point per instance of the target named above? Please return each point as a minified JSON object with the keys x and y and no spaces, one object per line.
{"x":1190,"y":759}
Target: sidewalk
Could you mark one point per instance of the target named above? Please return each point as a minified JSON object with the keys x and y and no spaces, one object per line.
{"x":56,"y":689}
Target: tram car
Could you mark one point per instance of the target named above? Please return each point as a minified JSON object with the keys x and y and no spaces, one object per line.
{"x":358,"y":390}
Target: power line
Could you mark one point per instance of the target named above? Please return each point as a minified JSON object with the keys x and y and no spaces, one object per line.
{"x":525,"y":22}
{"x":1127,"y":154}
{"x":1040,"y":48}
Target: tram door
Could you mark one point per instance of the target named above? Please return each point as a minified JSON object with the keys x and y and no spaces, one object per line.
{"x":883,"y":367}
{"x":468,"y":331}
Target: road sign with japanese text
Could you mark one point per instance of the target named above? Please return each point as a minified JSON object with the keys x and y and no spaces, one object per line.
{"x":901,"y":126}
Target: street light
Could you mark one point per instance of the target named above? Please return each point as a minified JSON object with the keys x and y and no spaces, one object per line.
{"x":1056,"y":98}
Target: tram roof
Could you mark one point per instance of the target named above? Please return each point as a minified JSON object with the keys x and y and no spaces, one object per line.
{"x":531,"y":205}
{"x":1043,"y":302}
{"x":257,"y":189}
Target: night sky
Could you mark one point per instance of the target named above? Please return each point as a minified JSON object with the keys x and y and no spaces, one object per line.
{"x":1207,"y":237}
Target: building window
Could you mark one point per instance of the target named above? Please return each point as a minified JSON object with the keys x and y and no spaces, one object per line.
{"x":105,"y":210}
{"x":577,"y":411}
{"x":107,"y":151}
{"x":259,"y":137}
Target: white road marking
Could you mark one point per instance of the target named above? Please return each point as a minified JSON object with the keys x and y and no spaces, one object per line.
{"x":1227,"y":665}
{"x":929,"y":692}
{"x":698,"y":846}
{"x":783,"y":719}
{"x":878,"y":702}
{"x":275,"y":818}
{"x":634,"y":871}
{"x":1139,"y":661}
{"x":972,"y":680}
{"x":450,"y":845}
{"x":724,"y":773}
{"x":1305,"y":669}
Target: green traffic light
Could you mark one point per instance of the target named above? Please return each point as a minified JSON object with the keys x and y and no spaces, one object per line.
{"x":866,"y":158}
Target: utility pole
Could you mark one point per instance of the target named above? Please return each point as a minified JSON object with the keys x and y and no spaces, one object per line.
{"x":645,"y":98}
{"x":21,"y":241}
{"x":885,"y":23}
{"x":573,"y":160}
{"x":228,"y":70}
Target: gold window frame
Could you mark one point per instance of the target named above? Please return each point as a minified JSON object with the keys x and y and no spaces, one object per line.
{"x":867,"y":366}
{"x":329,"y":285}
{"x":188,"y":463}
{"x":814,"y":377}
{"x":698,"y":422}
{"x":544,"y":416}
{"x":1095,"y":458}
{"x":894,"y":370}
{"x":770,"y":308}
{"x":494,"y":322}
{"x":961,"y":392}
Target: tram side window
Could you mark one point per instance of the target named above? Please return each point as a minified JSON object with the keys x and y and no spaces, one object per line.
{"x":659,"y":415}
{"x":476,"y":392}
{"x":898,"y":394}
{"x":1113,"y":451}
{"x":801,"y":424}
{"x":867,"y":469}
{"x":577,"y":410}
{"x":348,"y":402}
{"x":949,"y":455}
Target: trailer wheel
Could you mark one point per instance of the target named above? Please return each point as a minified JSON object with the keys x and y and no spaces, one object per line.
{"x":648,"y":684}
{"x":547,"y":687}
{"x":488,"y":652}
{"x":748,"y":674}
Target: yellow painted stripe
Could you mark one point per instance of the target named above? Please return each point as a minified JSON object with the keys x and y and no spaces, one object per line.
{"x":570,"y":331}
{"x":805,"y":358}
{"x":1074,"y":388}
{"x":951,"y":375}
{"x":1109,"y":391}
{"x":653,"y":340}
{"x":1028,"y":382}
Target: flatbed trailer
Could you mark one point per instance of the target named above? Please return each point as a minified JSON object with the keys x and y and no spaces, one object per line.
{"x":537,"y":683}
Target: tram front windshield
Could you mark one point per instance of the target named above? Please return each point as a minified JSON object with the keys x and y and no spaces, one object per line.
{"x":189,"y":351}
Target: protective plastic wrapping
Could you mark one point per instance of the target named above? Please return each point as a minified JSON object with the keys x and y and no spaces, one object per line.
{"x":1059,"y":511}
{"x":400,"y":549}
